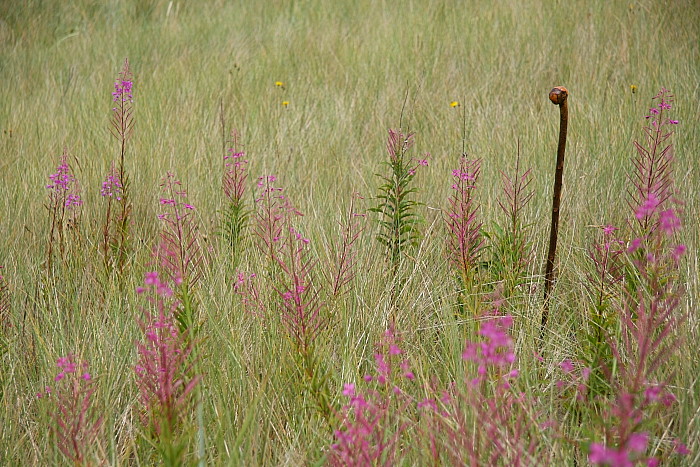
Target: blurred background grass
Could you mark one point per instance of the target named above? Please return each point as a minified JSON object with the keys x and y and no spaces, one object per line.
{"x":346,"y":68}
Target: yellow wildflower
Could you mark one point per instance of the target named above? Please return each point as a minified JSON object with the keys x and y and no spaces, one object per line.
{"x":279,"y":84}
{"x":633,"y":88}
{"x":285,"y":103}
{"x":454,"y":104}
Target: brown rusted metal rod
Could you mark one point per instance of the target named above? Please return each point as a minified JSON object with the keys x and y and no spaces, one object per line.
{"x":558,"y":97}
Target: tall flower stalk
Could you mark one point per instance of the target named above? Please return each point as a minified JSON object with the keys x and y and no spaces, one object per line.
{"x":77,"y":423}
{"x":649,"y":319}
{"x":164,"y":371}
{"x":116,"y":230}
{"x":346,"y":253}
{"x":649,"y":316}
{"x":292,"y":276}
{"x":652,"y":178}
{"x":396,"y":208}
{"x":398,"y":219}
{"x":235,"y":215}
{"x":63,"y":205}
{"x":464,"y":241}
{"x":511,"y":243}
{"x":178,"y":252}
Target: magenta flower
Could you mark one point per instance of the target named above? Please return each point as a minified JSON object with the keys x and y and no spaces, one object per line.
{"x":602,"y":455}
{"x":669,"y":222}
{"x":494,"y":352}
{"x":77,"y":423}
{"x":123,"y":90}
{"x":567,"y":366}
{"x":349,"y":390}
{"x":163,"y":370}
{"x":647,"y":208}
{"x":112,"y":186}
{"x":63,"y":185}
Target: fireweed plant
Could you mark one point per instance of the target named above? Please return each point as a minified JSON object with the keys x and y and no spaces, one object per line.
{"x":374,"y":419}
{"x":344,"y":268}
{"x":234,"y":217}
{"x":164,"y":371}
{"x":510,"y":242}
{"x":649,"y":319}
{"x":178,"y":252}
{"x":485,"y":419}
{"x":396,"y":208}
{"x":616,"y":274}
{"x":115,"y":188}
{"x":482,"y":420}
{"x":76,"y":422}
{"x":635,"y":314}
{"x":652,"y":179}
{"x":63,"y":206}
{"x":292,"y":276}
{"x":464,"y":239}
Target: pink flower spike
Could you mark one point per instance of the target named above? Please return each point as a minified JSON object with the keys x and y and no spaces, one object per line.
{"x":151,"y":278}
{"x":678,"y":251}
{"x":349,"y":390}
{"x":648,"y":207}
{"x":669,"y":222}
{"x":609,"y":229}
{"x":567,"y":365}
{"x":681,"y":448}
{"x":634,"y":245}
{"x":638,"y":442}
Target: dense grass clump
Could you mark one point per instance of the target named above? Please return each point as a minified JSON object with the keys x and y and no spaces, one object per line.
{"x":213,"y":253}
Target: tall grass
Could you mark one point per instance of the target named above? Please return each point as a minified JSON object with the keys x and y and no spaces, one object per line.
{"x":345,"y":74}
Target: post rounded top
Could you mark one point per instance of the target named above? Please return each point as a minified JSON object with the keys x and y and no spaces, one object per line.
{"x":558,"y":95}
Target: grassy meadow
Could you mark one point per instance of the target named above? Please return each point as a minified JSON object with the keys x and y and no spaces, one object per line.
{"x":312,"y":89}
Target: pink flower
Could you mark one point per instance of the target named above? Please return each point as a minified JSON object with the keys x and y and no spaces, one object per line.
{"x":151,"y":278}
{"x":648,"y":206}
{"x":427,"y":403}
{"x":637,"y":442}
{"x":681,"y":448}
{"x":609,"y":229}
{"x":678,"y":251}
{"x":567,"y":366}
{"x":668,"y":222}
{"x":634,"y":245}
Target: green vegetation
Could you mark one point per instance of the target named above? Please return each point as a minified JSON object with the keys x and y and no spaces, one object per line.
{"x":311,"y":89}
